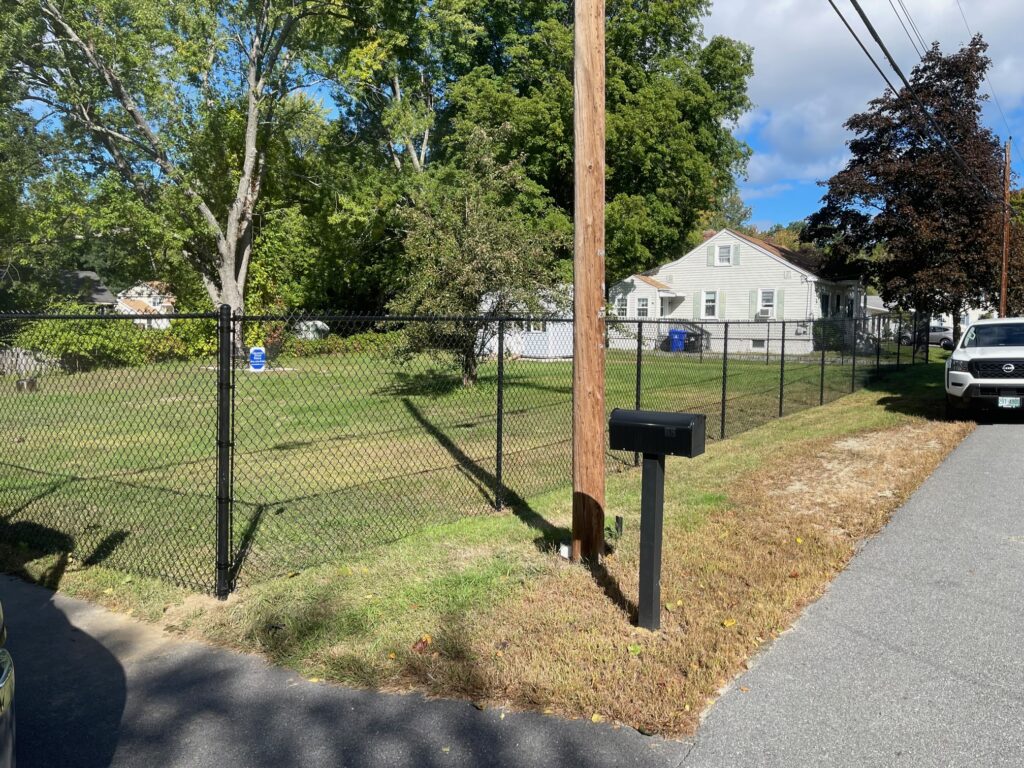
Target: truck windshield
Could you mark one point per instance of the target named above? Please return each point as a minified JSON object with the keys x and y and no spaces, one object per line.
{"x":1001,"y":335}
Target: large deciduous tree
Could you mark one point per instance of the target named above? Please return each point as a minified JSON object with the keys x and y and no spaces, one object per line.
{"x":179,"y":101}
{"x":924,"y":227}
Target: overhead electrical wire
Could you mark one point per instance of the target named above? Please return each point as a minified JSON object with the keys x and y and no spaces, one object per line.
{"x":910,"y":37}
{"x":913,"y":25}
{"x":991,"y":88}
{"x":863,"y":47}
{"x":920,"y":105}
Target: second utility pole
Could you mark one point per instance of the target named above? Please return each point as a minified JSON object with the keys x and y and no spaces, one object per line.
{"x":1005,"y":285}
{"x":588,"y":444}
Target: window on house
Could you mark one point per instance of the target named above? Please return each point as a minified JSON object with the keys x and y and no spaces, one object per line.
{"x":837,"y":304}
{"x":711,"y":304}
{"x":537,"y":326}
{"x":723,"y":257}
{"x":621,"y":307}
{"x":757,"y":343}
{"x":641,"y":307}
{"x":768,"y":301}
{"x":826,"y":304}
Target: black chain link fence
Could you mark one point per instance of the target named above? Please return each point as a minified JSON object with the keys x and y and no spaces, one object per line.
{"x":146,"y":443}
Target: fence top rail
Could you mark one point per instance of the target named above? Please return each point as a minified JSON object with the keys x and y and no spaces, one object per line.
{"x":300,"y":316}
{"x":105,"y":316}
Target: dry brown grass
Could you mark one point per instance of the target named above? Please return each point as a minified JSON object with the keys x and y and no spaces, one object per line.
{"x":729,"y":585}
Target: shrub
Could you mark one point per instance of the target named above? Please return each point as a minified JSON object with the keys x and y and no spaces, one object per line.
{"x":368,"y":342}
{"x":82,"y":345}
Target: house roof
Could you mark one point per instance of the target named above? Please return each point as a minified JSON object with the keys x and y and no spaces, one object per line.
{"x":140,"y":306}
{"x":86,"y":287}
{"x":807,"y":261}
{"x":653,"y":283}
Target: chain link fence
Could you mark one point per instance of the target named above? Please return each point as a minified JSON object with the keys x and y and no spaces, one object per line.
{"x":146,"y":443}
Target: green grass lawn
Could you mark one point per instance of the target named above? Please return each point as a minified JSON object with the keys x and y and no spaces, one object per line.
{"x":332,"y":454}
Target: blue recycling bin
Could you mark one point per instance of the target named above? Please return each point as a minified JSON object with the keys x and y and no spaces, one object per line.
{"x":676,"y":340}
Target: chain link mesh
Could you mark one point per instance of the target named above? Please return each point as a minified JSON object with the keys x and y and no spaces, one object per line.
{"x":356,"y":433}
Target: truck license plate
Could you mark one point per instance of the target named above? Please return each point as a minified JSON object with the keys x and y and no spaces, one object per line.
{"x":1009,"y":402}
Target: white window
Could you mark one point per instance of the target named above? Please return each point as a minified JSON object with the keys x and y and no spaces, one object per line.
{"x":621,"y":307}
{"x":641,"y":307}
{"x":767,"y":302}
{"x":537,"y":326}
{"x":723,"y":256}
{"x":711,"y":304}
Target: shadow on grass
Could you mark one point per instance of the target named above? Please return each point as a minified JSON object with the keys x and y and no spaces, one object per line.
{"x":916,"y":390}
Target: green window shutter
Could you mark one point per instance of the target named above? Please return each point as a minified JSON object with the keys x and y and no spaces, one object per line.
{"x":753,"y":304}
{"x":696,"y":305}
{"x":711,"y":255}
{"x":721,"y":305}
{"x":780,"y":308}
{"x":735,"y":255}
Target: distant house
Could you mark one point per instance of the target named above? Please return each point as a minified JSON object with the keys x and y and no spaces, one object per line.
{"x":86,"y":287}
{"x":734,"y":277}
{"x":539,"y":339}
{"x":147,"y":298}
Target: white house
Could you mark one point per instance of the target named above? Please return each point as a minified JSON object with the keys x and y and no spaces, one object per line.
{"x":736,"y":278}
{"x":147,"y":298}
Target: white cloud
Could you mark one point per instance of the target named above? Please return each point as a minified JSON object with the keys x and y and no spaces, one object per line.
{"x":810,"y":76}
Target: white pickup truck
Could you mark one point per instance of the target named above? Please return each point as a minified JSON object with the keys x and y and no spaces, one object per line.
{"x":987,"y":366}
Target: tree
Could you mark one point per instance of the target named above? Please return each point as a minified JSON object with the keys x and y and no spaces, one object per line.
{"x":482,"y":242}
{"x":904,"y":210}
{"x":179,"y":100}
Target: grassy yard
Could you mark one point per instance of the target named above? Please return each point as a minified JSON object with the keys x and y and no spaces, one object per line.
{"x":332,"y":454}
{"x":482,"y":608}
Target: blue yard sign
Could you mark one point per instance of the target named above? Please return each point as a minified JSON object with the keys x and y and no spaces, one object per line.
{"x":257,"y":359}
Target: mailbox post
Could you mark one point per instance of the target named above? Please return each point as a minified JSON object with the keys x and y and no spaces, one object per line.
{"x":655,"y":435}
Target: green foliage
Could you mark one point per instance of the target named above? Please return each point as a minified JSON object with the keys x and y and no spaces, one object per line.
{"x":81,"y":345}
{"x":188,"y":339}
{"x":383,"y":344}
{"x":482,"y":239}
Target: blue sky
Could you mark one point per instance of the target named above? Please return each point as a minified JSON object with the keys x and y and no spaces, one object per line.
{"x":810,"y":76}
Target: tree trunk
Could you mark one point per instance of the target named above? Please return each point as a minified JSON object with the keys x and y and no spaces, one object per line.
{"x":469,"y":367}
{"x":958,"y":310}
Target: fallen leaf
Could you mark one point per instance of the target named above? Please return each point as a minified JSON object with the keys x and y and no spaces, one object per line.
{"x":799,"y":540}
{"x":446,"y":750}
{"x":679,"y":602}
{"x":596,"y":718}
{"x":669,"y":607}
{"x":634,"y":649}
{"x":314,"y":679}
{"x":501,"y":716}
{"x":293,"y":574}
{"x":108,"y":591}
{"x":795,"y":575}
{"x":499,"y":654}
{"x":744,"y":689}
{"x":729,"y":623}
{"x":479,"y":705}
{"x":391,"y":655}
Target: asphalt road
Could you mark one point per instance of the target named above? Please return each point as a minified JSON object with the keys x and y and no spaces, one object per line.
{"x":913,"y":657}
{"x":97,"y":689}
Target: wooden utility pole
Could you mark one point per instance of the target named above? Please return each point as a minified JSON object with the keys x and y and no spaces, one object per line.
{"x":588,"y":286}
{"x":1005,"y":285}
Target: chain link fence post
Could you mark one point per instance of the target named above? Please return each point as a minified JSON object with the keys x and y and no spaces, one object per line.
{"x":821,"y":384}
{"x":725,"y":375}
{"x":853,"y":366}
{"x":899,"y":339}
{"x":499,"y":457}
{"x":225,"y":346}
{"x":782,"y":370}
{"x":639,"y":373}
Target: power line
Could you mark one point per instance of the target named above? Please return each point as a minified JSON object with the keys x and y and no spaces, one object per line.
{"x":924,"y":110}
{"x":910,"y":37}
{"x":913,"y":25}
{"x":863,"y":47}
{"x":991,"y":88}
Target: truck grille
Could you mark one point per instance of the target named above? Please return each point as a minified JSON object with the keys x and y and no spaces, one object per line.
{"x":993,"y":369}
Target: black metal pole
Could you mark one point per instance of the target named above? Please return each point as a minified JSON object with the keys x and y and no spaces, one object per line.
{"x":782,"y":370}
{"x":821,"y":385}
{"x":853,"y":367}
{"x":224,"y":363}
{"x":913,"y":340}
{"x":725,"y":375}
{"x":899,"y":340}
{"x":768,"y":343}
{"x":878,"y":345}
{"x":639,"y":373}
{"x":499,"y":496}
{"x":652,"y":508}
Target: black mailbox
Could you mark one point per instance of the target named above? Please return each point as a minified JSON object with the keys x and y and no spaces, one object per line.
{"x":656,"y":435}
{"x":656,"y":432}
